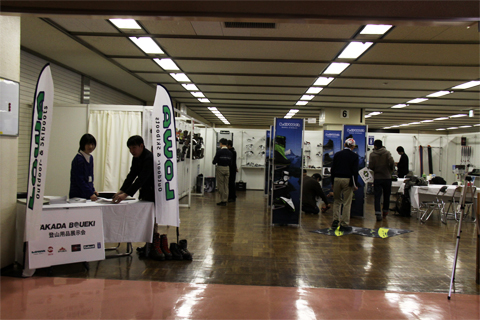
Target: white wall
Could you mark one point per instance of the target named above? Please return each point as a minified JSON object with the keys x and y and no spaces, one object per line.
{"x":9,"y":69}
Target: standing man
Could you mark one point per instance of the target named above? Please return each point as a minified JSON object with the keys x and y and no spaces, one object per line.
{"x":344,"y":182}
{"x":141,"y":177}
{"x":223,"y":160}
{"x":402,"y":165}
{"x":312,"y":190}
{"x":232,"y":193}
{"x":382,"y":164}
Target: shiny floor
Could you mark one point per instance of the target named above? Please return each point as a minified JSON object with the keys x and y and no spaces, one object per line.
{"x":244,"y":268}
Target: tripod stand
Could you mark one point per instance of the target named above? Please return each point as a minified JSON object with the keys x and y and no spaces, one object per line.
{"x":462,"y":212}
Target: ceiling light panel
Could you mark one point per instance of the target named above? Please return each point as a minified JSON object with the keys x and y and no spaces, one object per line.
{"x":198,"y":94}
{"x":314,"y":90}
{"x":458,"y":115}
{"x":125,"y":23}
{"x":398,"y":106}
{"x":307,"y":97}
{"x":438,"y":94}
{"x":354,"y":50}
{"x":441,"y":118}
{"x":203,"y":100}
{"x":418,"y":100}
{"x":467,"y":85}
{"x":166,"y":64}
{"x":180,"y":77}
{"x":375,"y":29}
{"x":301,"y":103}
{"x":336,"y":68}
{"x":190,"y":86}
{"x":323,"y":81}
{"x":147,"y":45}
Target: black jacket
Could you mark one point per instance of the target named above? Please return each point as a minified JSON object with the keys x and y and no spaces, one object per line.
{"x":141,"y":177}
{"x":345,"y":165}
{"x":223,"y":157}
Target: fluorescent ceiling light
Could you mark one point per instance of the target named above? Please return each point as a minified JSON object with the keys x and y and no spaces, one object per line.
{"x":204,"y":100}
{"x":367,"y":116}
{"x":465,"y":126}
{"x":198,"y":94}
{"x":147,"y":45}
{"x":414,"y":123}
{"x":441,"y":129}
{"x":467,"y":85}
{"x":418,"y":100}
{"x":438,"y":94}
{"x":226,"y":122}
{"x":190,"y":86}
{"x":398,"y":106}
{"x":452,"y":128}
{"x":125,"y":23}
{"x":426,"y":121}
{"x":314,"y":90}
{"x":217,"y":113}
{"x":404,"y":125}
{"x":166,"y":64}
{"x":322,"y":81}
{"x":180,"y":77}
{"x":375,"y":29}
{"x":375,"y":113}
{"x":477,"y":125}
{"x":354,"y":50}
{"x":386,"y":127}
{"x":458,"y":115}
{"x":307,"y":97}
{"x":394,"y":126}
{"x":441,"y":118}
{"x":301,"y":103}
{"x":336,"y":68}
{"x":212,"y":109}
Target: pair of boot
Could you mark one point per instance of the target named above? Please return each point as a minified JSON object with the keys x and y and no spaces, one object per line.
{"x":159,"y":250}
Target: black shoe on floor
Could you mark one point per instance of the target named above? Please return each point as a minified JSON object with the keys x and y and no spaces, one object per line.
{"x":345,"y":228}
{"x":186,"y":255}
{"x":335,"y":224}
{"x":176,"y":252}
{"x":221,"y":204}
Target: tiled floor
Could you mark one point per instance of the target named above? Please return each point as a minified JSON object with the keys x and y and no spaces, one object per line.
{"x":244,"y":268}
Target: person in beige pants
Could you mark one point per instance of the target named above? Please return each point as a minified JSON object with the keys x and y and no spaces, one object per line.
{"x":223,"y":159}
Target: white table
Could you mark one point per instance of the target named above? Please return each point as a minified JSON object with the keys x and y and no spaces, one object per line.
{"x":397,"y":185}
{"x":128,"y":221}
{"x":419,"y":194}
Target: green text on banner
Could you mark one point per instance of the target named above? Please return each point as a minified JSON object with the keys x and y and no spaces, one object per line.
{"x":41,"y":125}
{"x":165,"y":160}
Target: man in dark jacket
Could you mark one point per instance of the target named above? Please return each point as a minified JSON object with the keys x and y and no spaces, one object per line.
{"x":402,"y":165}
{"x":311,"y":191}
{"x":223,"y":160}
{"x":382,"y":164}
{"x":344,"y":182}
{"x":140,"y":175}
{"x":232,"y":193}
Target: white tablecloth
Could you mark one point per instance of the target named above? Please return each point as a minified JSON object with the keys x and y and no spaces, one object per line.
{"x":419,"y":194}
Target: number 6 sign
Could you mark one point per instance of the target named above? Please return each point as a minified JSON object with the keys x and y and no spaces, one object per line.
{"x":344,"y":113}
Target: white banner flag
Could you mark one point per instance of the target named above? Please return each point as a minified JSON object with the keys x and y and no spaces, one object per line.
{"x":41,"y":125}
{"x":165,"y":160}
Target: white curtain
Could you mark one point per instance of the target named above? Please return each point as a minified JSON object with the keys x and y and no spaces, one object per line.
{"x":112,"y":158}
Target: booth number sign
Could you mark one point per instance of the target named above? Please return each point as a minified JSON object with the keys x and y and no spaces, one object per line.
{"x":344,"y":114}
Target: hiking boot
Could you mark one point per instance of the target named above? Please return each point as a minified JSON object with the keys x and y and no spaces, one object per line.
{"x":335,"y":224}
{"x":156,"y":252}
{"x":145,"y":250}
{"x":385,"y":213}
{"x":164,"y":247}
{"x":186,"y":255}
{"x":328,"y":145}
{"x":345,"y":228}
{"x":175,"y":250}
{"x":327,"y":160}
{"x":379,"y":216}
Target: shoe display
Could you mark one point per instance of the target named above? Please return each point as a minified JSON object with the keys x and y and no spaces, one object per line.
{"x":328,"y":145}
{"x":164,"y":247}
{"x":175,"y":250}
{"x":289,"y":202}
{"x":335,"y":224}
{"x":186,"y":255}
{"x":327,"y":160}
{"x":221,"y":204}
{"x":156,"y":252}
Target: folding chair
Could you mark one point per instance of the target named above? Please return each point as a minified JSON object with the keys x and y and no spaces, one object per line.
{"x":469,"y":199}
{"x":427,"y":207}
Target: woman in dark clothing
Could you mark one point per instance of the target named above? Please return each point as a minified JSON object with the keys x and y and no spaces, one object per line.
{"x":402,"y":165}
{"x":81,"y":174}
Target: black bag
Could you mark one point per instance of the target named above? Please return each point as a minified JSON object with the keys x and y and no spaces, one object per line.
{"x":405,"y":207}
{"x":241,"y":186}
{"x":438,"y":180}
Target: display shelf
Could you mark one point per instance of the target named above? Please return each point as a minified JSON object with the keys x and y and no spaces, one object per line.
{"x":252,"y":167}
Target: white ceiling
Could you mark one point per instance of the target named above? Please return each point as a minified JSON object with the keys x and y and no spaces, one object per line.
{"x":253,"y":75}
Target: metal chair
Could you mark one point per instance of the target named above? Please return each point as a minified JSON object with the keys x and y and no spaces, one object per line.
{"x":427,"y":207}
{"x":469,"y":200}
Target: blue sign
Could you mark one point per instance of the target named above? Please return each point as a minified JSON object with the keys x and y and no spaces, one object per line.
{"x":371,"y":139}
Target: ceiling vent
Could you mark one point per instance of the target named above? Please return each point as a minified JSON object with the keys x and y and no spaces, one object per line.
{"x":250,"y":25}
